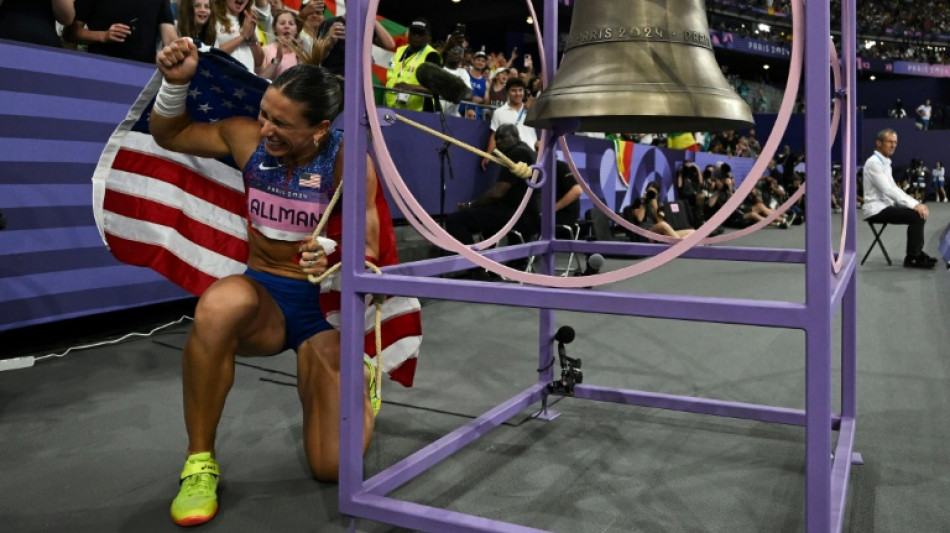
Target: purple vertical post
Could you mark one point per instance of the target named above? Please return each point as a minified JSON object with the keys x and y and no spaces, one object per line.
{"x":546,"y":322}
{"x":352,"y":251}
{"x":818,"y":272}
{"x":849,"y":311}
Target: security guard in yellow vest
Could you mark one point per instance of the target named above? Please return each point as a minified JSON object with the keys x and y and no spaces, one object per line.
{"x":402,"y":73}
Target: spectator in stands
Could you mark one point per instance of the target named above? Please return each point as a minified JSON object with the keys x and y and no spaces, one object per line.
{"x":743,"y":149}
{"x":468,"y":58}
{"x":898,"y":110}
{"x":311,"y":16}
{"x":479,"y":83}
{"x":195,"y":21}
{"x":646,"y":213}
{"x":488,"y":213}
{"x":923,"y":111}
{"x":884,"y":202}
{"x":453,"y":65}
{"x":513,"y":112}
{"x":331,"y":46}
{"x":497,"y":94}
{"x":940,"y":192}
{"x":122,"y":29}
{"x":754,"y":144}
{"x":402,"y":72}
{"x":34,"y":21}
{"x":729,"y":141}
{"x":788,"y":160}
{"x":236,"y":26}
{"x":761,"y":102}
{"x":280,"y":55}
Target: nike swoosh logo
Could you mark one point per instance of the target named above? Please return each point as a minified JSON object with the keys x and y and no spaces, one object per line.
{"x":262,"y":167}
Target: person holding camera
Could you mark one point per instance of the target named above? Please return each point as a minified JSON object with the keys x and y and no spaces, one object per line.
{"x":885,"y":202}
{"x":331,"y":43}
{"x":646,"y":213}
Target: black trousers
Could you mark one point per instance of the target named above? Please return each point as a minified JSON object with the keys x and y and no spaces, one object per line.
{"x":904,"y":215}
{"x":463,"y":225}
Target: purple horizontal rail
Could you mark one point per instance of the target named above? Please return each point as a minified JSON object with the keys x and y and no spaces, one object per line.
{"x":769,"y":313}
{"x":20,"y":196}
{"x":410,"y":467}
{"x":419,"y":517}
{"x":62,"y":62}
{"x":50,"y":239}
{"x":42,"y":105}
{"x":692,"y":404}
{"x":27,"y":150}
{"x":114,"y":277}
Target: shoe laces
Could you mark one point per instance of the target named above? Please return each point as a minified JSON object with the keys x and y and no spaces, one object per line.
{"x":198,"y":485}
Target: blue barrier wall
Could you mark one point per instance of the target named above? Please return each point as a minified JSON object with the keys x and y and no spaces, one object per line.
{"x":57,"y":110}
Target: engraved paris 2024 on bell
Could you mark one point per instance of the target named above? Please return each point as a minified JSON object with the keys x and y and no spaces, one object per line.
{"x":639,"y":66}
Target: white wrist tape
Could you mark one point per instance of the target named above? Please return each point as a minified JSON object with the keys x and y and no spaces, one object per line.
{"x":328,"y":245}
{"x":170,"y":100}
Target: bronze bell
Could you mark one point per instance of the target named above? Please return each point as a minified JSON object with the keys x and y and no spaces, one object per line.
{"x":639,"y":66}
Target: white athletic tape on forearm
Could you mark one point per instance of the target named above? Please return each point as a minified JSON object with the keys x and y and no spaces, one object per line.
{"x":170,"y":100}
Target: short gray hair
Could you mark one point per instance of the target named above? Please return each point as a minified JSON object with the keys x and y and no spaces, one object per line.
{"x":881,"y":135}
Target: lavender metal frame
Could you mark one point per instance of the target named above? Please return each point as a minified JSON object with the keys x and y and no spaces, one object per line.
{"x":826,"y":479}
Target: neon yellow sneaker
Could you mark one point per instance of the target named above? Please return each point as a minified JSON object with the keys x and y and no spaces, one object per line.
{"x":375,"y":396}
{"x":197,"y":499}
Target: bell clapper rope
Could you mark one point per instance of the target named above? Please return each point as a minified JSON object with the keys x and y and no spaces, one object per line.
{"x":378,"y":299}
{"x":521,"y":170}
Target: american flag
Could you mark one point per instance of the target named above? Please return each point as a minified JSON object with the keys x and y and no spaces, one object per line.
{"x":184,"y":216}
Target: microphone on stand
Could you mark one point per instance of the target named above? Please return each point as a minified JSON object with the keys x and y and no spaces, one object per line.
{"x":564,"y":335}
{"x":442,"y":83}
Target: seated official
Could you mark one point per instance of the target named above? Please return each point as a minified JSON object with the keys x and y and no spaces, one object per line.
{"x":488,"y":213}
{"x":884,"y":201}
{"x":567,"y":210}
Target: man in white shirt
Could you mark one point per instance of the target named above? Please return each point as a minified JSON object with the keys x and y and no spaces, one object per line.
{"x":884,"y":201}
{"x":923,"y":111}
{"x":453,"y":61}
{"x":513,"y":112}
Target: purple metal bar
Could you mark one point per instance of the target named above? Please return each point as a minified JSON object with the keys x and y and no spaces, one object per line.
{"x":839,"y":283}
{"x":431,"y":267}
{"x":694,"y":404}
{"x":415,"y":464}
{"x":352,"y":252}
{"x":849,"y":313}
{"x":840,"y":472}
{"x":425,"y":518}
{"x":818,"y":271}
{"x":704,"y":309}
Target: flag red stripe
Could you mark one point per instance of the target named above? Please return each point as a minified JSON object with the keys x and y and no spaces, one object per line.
{"x":395,"y":328}
{"x":404,"y":373}
{"x":182,"y":177}
{"x":162,"y":261}
{"x":138,"y":208}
